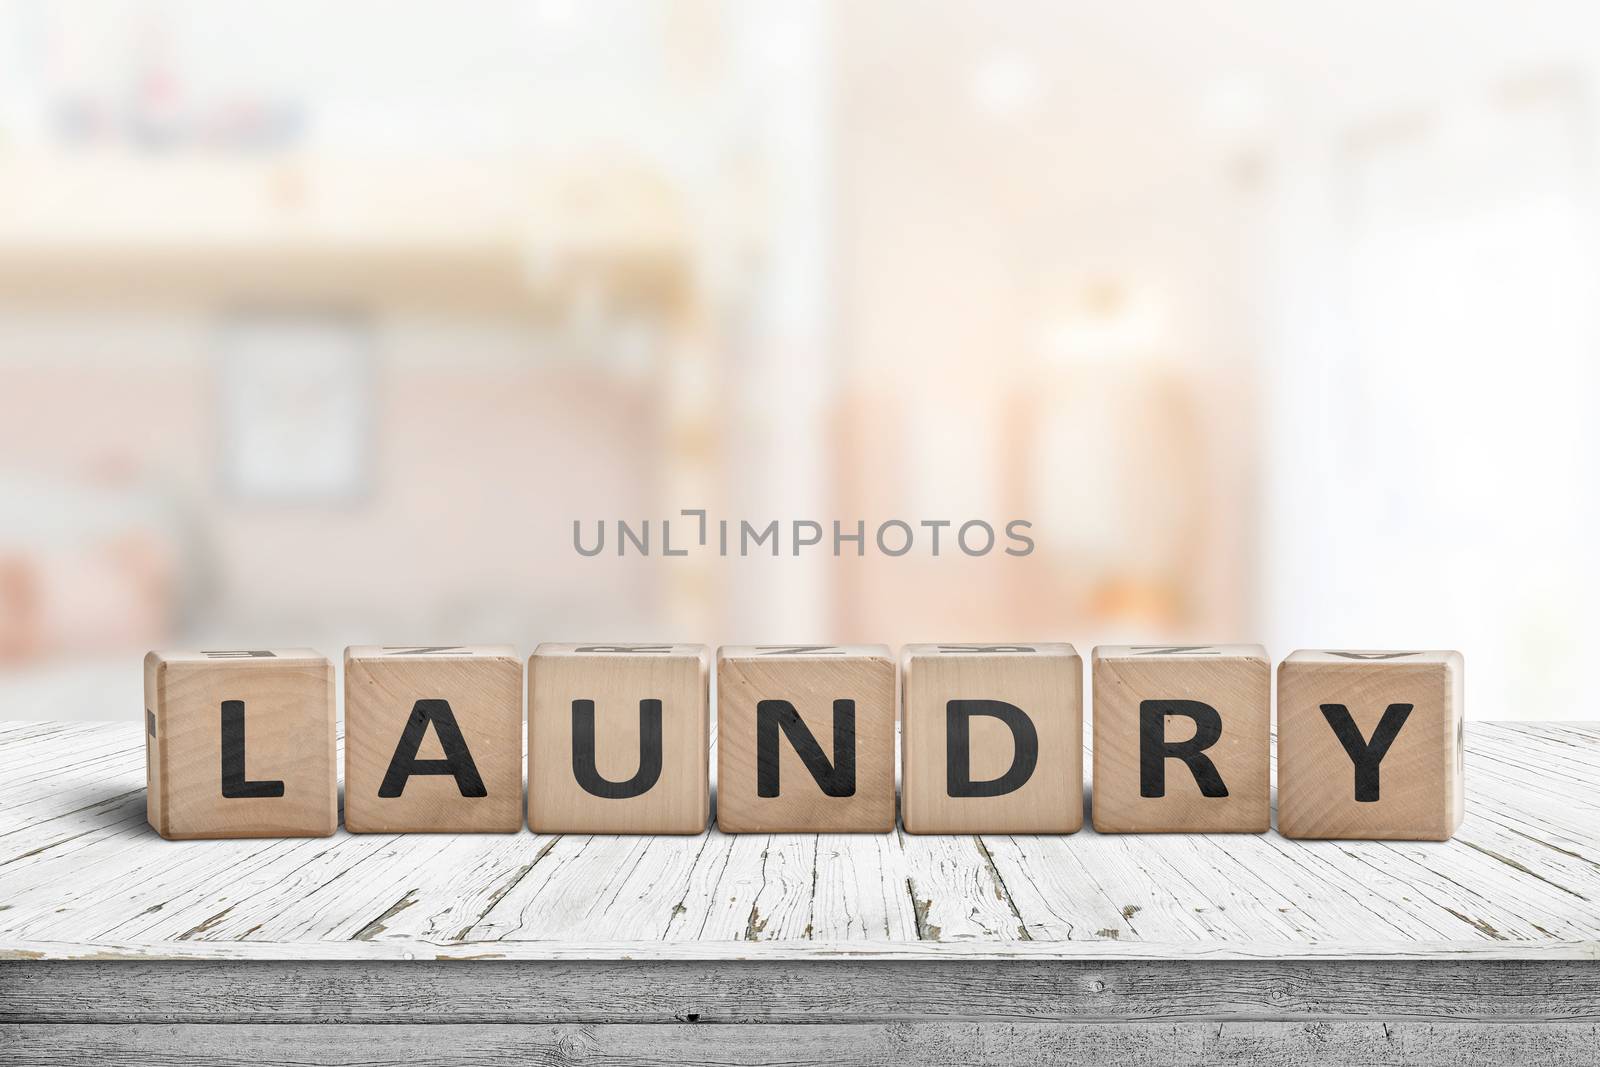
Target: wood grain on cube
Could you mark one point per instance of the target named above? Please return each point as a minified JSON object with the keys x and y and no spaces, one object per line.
{"x":432,"y":738}
{"x":991,"y":739}
{"x":240,"y":743}
{"x":1182,"y":738}
{"x":619,"y":739}
{"x":1370,"y":745}
{"x":787,"y":757}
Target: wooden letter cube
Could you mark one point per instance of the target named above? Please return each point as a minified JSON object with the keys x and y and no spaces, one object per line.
{"x":1181,"y":739}
{"x":619,"y":739}
{"x":1370,"y":745}
{"x":805,"y":739}
{"x":240,"y":743}
{"x":432,"y":739}
{"x":991,"y":739}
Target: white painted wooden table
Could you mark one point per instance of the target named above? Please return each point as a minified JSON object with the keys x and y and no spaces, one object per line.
{"x":119,"y":947}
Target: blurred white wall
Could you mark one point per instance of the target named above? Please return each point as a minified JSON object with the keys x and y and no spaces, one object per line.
{"x":1274,"y":319}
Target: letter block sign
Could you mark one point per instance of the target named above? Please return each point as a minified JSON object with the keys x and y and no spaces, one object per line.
{"x":1370,"y":745}
{"x":1182,"y":737}
{"x":991,"y":739}
{"x":805,"y":738}
{"x":618,"y":739}
{"x":432,"y":738}
{"x":240,"y":743}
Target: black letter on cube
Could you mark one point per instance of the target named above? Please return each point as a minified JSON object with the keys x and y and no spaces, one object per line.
{"x":457,"y":762}
{"x":1155,"y":749}
{"x":837,"y":779}
{"x":1366,"y":755}
{"x":958,"y":748}
{"x":583,"y":752}
{"x":235,"y":786}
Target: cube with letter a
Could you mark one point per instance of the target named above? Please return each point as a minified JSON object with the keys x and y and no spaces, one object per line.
{"x":1181,"y":739}
{"x":432,"y":738}
{"x":1370,"y":745}
{"x":240,"y":743}
{"x":619,"y":739}
{"x":805,"y":738}
{"x":991,"y":739}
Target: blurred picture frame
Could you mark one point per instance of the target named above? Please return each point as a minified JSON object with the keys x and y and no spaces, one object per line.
{"x":295,"y":405}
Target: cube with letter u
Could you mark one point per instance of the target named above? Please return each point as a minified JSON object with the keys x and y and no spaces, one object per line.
{"x":618,"y":739}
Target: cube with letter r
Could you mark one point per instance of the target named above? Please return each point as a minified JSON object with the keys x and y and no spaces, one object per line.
{"x":1182,"y":737}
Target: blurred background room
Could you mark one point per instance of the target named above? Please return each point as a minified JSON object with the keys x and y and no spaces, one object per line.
{"x":322,"y":324}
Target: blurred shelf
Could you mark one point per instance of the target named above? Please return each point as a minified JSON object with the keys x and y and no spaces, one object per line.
{"x":491,"y":233}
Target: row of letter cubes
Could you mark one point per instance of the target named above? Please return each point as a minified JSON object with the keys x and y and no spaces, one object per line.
{"x":241,"y":743}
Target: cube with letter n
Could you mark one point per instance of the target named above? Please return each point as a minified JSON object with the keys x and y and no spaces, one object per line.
{"x":805,"y":738}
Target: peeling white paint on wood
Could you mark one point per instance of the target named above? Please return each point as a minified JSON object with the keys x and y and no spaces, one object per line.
{"x":83,"y":877}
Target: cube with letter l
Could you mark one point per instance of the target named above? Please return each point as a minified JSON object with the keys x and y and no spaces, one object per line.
{"x":240,"y":743}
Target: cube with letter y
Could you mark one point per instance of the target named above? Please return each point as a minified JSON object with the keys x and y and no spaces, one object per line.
{"x":432,"y":738}
{"x":1182,"y":737}
{"x":1370,"y":745}
{"x":805,"y":738}
{"x":619,"y":739}
{"x":240,"y":743}
{"x":991,"y":739}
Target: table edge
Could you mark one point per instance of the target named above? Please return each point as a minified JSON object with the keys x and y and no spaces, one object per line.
{"x":687,"y":951}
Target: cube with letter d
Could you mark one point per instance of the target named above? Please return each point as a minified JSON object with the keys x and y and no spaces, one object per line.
{"x":991,"y":739}
{"x":805,"y":738}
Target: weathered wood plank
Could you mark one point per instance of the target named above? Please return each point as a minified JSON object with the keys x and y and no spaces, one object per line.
{"x":860,"y":890}
{"x":800,"y":949}
{"x":80,"y":874}
{"x":40,"y":763}
{"x":780,"y":910}
{"x":706,"y":904}
{"x":956,"y":892}
{"x":445,"y":903}
{"x":382,"y":883}
{"x":1133,"y":1044}
{"x":1053,"y":890}
{"x":121,"y":816}
{"x":790,"y":991}
{"x":618,"y":887}
{"x":267,"y":876}
{"x":720,"y":904}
